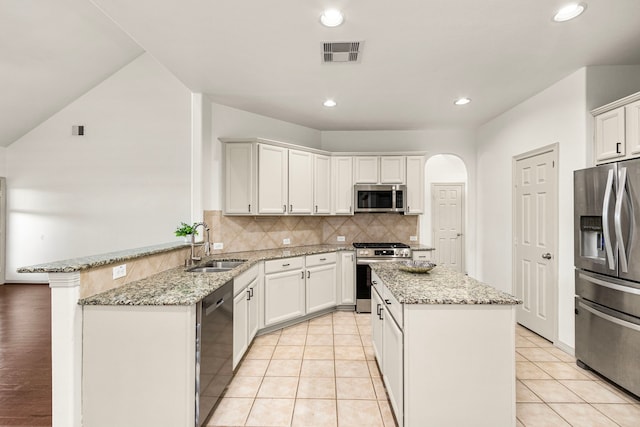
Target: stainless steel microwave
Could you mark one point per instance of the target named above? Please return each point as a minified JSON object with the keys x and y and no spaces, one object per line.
{"x":380,"y":198}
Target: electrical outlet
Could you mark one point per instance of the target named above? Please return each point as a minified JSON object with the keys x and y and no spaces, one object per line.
{"x":413,"y":238}
{"x":286,"y":241}
{"x":119,"y":271}
{"x":340,"y":238}
{"x":218,"y":245}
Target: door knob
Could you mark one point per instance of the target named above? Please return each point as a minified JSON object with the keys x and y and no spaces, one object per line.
{"x":546,"y":256}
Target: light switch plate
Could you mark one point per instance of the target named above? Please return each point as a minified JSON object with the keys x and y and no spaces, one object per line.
{"x":340,"y":238}
{"x":218,"y":245}
{"x":119,"y":271}
{"x":413,"y":238}
{"x":286,"y":241}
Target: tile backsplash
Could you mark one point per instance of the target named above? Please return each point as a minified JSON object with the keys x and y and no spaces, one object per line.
{"x":242,"y":233}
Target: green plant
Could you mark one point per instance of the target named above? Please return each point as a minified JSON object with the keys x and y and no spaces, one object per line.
{"x":185,"y":229}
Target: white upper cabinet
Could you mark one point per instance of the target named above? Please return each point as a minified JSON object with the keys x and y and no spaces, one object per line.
{"x":322,"y":184}
{"x":609,"y":135}
{"x":617,"y":130}
{"x":342,"y":185}
{"x":632,"y":117}
{"x":392,"y":169}
{"x":239,"y":173}
{"x":272,"y":179}
{"x":379,"y":170}
{"x":366,"y":170}
{"x":300,"y":182}
{"x":415,"y":185}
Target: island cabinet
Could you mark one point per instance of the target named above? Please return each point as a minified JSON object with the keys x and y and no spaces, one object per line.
{"x":445,"y":345}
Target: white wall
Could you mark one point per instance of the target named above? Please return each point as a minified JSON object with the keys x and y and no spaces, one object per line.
{"x":458,"y":142}
{"x":227,"y":122}
{"x":442,"y":168}
{"x":555,"y":115}
{"x":125,"y":184}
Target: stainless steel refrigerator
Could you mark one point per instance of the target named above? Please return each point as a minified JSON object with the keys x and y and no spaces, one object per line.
{"x":607,"y":260}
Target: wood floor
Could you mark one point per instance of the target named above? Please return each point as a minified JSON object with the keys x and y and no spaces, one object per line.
{"x":25,"y":355}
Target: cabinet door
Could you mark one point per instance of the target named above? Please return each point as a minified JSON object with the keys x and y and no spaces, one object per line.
{"x":347,"y":279}
{"x":272,"y":180}
{"x":300,"y":182}
{"x":377,"y":314}
{"x":392,"y":170}
{"x":253,"y":310}
{"x":239,"y":178}
{"x":392,"y":370}
{"x":366,"y":170}
{"x":342,"y":178}
{"x":415,"y":185}
{"x":283,"y":296}
{"x":610,"y":134}
{"x":240,"y":329}
{"x":321,"y":287}
{"x":322,"y":184}
{"x":632,"y":115}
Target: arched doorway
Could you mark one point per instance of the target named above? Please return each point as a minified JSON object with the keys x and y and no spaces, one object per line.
{"x":448,"y":174}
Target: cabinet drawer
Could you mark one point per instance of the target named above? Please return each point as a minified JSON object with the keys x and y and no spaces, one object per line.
{"x":421,"y":255}
{"x":392,"y":305}
{"x":243,"y":279}
{"x":321,"y":259}
{"x":283,"y":264}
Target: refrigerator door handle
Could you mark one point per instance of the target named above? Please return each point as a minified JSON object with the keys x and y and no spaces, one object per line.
{"x":605,"y":221}
{"x":618,"y":221}
{"x":612,"y":319}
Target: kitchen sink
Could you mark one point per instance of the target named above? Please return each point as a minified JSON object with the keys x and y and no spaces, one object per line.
{"x":216,"y":266}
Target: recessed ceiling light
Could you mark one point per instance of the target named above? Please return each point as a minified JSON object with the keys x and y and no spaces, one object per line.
{"x":331,"y":18}
{"x":329,"y":103}
{"x":569,"y":12}
{"x":462,"y":101}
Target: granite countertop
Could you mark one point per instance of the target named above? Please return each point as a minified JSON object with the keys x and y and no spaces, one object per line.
{"x":439,"y":286}
{"x":84,"y":263}
{"x":179,"y":287}
{"x":422,"y":248}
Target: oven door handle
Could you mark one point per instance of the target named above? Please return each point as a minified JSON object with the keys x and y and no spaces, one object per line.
{"x":374,"y":261}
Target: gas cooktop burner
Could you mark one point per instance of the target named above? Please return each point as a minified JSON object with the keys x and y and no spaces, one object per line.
{"x":379,"y":245}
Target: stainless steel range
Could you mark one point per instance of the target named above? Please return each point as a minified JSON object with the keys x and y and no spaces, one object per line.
{"x":369,"y":253}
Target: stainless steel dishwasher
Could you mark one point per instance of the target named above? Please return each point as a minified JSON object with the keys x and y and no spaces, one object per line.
{"x":214,"y":350}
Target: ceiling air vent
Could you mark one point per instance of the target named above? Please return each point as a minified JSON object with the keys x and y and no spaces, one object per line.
{"x":341,"y":51}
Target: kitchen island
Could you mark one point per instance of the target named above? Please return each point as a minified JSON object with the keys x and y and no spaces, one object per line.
{"x":445,"y":344}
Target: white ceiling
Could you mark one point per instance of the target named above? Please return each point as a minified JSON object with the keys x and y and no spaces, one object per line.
{"x":265,"y":56}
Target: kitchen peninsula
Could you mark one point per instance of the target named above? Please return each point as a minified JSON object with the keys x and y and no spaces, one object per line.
{"x":444,"y":340}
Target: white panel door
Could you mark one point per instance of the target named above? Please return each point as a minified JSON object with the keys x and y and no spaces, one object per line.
{"x":253,"y":310}
{"x":283,"y":296}
{"x":347,"y":279}
{"x":321,"y":287}
{"x":448,"y":225}
{"x":321,"y":184}
{"x":239,"y":178}
{"x":272,"y":180}
{"x":534,"y":210}
{"x":377,"y":325}
{"x":366,"y":170}
{"x":300,"y":182}
{"x":415,"y":185}
{"x":240,"y":328}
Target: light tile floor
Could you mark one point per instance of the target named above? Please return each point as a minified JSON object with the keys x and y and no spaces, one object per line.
{"x":551,"y":390}
{"x":323,"y":373}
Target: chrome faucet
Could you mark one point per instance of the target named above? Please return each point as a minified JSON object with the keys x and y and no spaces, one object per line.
{"x":207,"y":245}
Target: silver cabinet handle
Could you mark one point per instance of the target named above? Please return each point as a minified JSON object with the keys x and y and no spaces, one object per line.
{"x":408,"y":209}
{"x":302,"y":277}
{"x":618,"y":144}
{"x":290,"y":208}
{"x":284,"y":208}
{"x":248,"y":295}
{"x":286,"y":265}
{"x":316,"y":208}
{"x":374,"y":282}
{"x":323,"y":259}
{"x":308,"y":274}
{"x":458,"y":234}
{"x":546,"y":256}
{"x":605,"y":220}
{"x":387,"y":302}
{"x":622,"y":252}
{"x":249,"y":207}
{"x":251,"y":292}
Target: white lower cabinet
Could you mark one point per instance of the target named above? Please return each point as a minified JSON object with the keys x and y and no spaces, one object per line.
{"x":377,"y":326}
{"x":392,"y":352}
{"x":321,"y":287}
{"x":284,"y":293}
{"x":246,"y":306}
{"x":347,"y":283}
{"x":419,"y":255}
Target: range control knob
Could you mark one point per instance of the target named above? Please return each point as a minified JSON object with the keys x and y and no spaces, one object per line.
{"x":406,"y":252}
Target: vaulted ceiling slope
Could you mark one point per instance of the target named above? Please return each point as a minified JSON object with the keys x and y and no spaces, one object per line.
{"x":265,"y":56}
{"x":52,"y":52}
